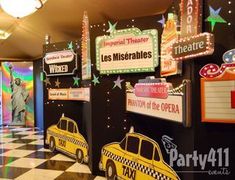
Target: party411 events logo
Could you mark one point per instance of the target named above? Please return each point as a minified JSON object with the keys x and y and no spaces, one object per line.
{"x":218,"y":159}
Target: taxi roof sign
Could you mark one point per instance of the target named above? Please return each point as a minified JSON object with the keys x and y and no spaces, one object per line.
{"x":131,"y":129}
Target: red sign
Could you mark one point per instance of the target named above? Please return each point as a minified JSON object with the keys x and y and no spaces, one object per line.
{"x":233,"y":99}
{"x":153,"y":90}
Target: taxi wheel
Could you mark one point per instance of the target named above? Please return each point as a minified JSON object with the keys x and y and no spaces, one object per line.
{"x":111,"y":172}
{"x":79,"y":156}
{"x":52,"y":144}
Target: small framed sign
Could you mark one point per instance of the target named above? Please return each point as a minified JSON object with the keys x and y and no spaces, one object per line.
{"x":60,"y":63}
{"x":76,"y":94}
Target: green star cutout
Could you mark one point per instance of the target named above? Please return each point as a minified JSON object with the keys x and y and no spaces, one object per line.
{"x":95,"y":80}
{"x":214,"y":17}
{"x":70,"y":45}
{"x":76,"y":81}
{"x":112,"y":27}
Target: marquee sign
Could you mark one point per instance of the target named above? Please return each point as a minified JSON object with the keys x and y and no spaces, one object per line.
{"x":194,"y":46}
{"x":192,"y":43}
{"x":127,"y":51}
{"x":160,"y":100}
{"x":86,"y":56}
{"x":218,"y":91}
{"x":76,"y":94}
{"x":190,"y":17}
{"x":153,"y":90}
{"x":60,"y":63}
{"x":169,"y":36}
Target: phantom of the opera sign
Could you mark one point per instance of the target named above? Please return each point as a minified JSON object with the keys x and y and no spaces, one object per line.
{"x":60,"y":63}
{"x":157,"y":98}
{"x":127,"y":51}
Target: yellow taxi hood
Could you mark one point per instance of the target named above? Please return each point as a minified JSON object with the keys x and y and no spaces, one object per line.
{"x":79,"y":136}
{"x":114,"y":145}
{"x":170,"y":170}
{"x":52,"y":127}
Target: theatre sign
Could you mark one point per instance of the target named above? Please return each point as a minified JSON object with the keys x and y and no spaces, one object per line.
{"x":194,"y":46}
{"x":192,"y":43}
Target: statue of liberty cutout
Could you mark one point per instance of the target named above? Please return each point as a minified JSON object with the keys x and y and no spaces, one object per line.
{"x":19,"y":97}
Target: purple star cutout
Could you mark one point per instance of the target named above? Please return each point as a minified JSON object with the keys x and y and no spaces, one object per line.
{"x":162,"y":21}
{"x":118,"y":82}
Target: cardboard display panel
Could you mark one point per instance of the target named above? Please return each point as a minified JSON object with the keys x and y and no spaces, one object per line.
{"x":136,"y":157}
{"x":18,"y":93}
{"x":65,"y":137}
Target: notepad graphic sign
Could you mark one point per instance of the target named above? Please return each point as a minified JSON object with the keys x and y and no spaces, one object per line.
{"x":218,"y":93}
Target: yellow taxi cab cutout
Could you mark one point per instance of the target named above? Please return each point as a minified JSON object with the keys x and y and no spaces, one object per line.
{"x":136,"y":157}
{"x":65,"y":137}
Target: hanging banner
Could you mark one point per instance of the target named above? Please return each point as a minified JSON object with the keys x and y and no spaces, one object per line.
{"x":86,"y":56}
{"x":76,"y":94}
{"x":60,"y":63}
{"x":127,"y":51}
{"x":160,"y":100}
{"x":218,"y":91}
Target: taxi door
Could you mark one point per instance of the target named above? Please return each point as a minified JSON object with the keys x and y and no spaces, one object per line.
{"x":129,"y":168}
{"x":159,"y":165}
{"x":146,"y":160}
{"x":70,"y":147}
{"x":62,"y":129}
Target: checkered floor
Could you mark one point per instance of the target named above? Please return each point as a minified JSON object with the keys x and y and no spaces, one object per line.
{"x":22,"y":157}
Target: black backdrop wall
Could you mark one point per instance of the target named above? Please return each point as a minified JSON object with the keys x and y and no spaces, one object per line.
{"x":105,"y":120}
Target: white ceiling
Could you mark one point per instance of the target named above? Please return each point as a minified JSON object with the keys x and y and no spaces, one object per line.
{"x":62,"y":20}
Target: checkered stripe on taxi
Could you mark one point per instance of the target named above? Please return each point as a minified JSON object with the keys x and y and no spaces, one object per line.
{"x":70,"y":139}
{"x":137,"y":166}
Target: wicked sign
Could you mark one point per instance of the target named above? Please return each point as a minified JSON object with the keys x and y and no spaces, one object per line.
{"x":127,"y":51}
{"x":60,"y":63}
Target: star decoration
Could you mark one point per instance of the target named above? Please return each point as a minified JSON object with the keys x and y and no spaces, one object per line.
{"x":76,"y":81}
{"x":95,"y":80}
{"x":162,"y":21}
{"x":57,"y":83}
{"x":70,"y":45}
{"x":112,"y":27}
{"x":47,"y":81}
{"x":214,"y":17}
{"x":118,"y":82}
